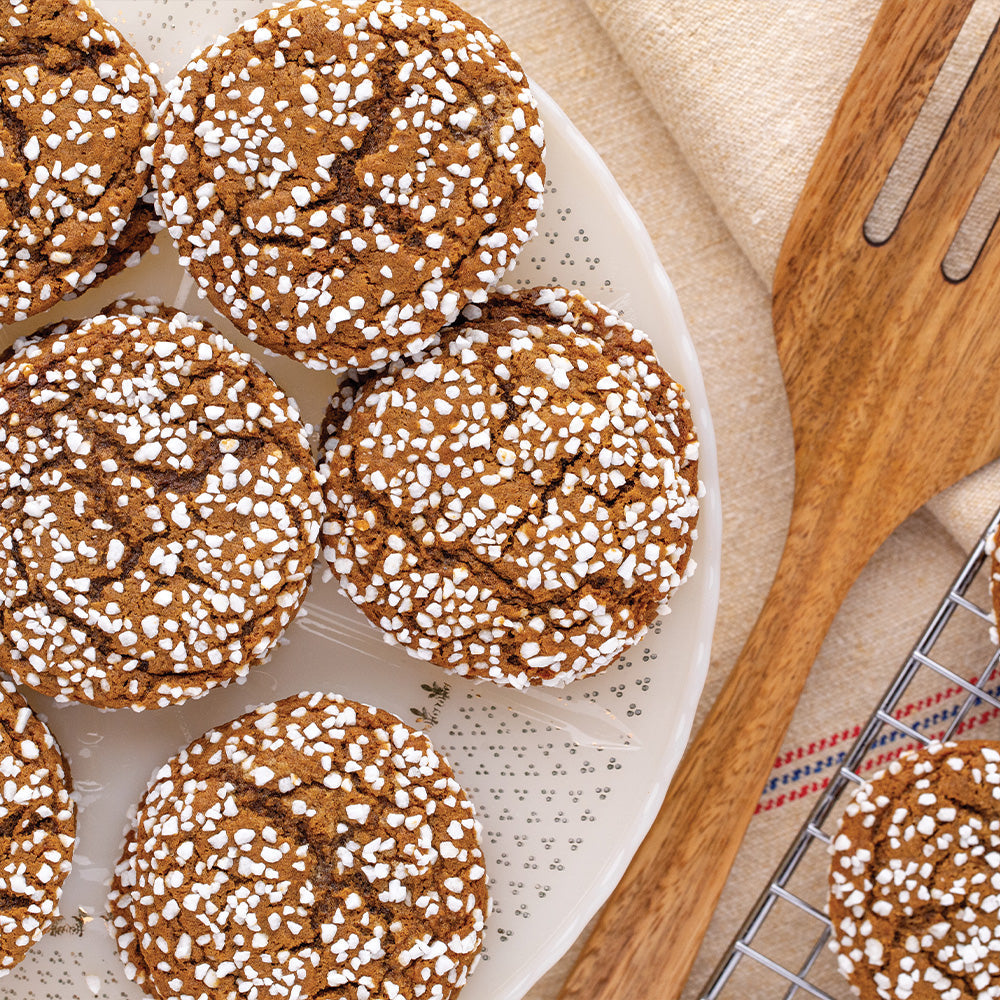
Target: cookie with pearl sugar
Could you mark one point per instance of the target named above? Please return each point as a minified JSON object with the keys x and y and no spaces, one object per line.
{"x":993,"y":551}
{"x":915,"y":877}
{"x":342,"y":176}
{"x":160,"y":510}
{"x":314,"y":847}
{"x":79,"y":110}
{"x":518,"y":502}
{"x":37,"y":827}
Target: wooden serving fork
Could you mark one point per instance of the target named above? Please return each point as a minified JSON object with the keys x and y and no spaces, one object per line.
{"x":893,"y":379}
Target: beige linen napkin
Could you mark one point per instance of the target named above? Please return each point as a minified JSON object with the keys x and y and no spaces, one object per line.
{"x":709,"y":114}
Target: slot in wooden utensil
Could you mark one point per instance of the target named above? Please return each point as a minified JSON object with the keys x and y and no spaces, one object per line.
{"x":893,"y":379}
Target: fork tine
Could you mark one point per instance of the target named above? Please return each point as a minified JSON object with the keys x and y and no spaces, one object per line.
{"x":986,"y":264}
{"x":900,"y":62}
{"x":966,"y":149}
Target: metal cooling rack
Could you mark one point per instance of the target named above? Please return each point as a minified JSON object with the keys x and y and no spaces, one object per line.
{"x":792,"y":907}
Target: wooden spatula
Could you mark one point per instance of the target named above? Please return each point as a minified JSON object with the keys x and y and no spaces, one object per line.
{"x":893,"y":378}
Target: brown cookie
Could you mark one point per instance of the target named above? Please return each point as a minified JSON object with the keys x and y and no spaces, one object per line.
{"x":77,"y":117}
{"x":341,"y":178}
{"x":518,"y":502}
{"x":915,"y":878}
{"x":160,"y":511}
{"x":315,"y":847}
{"x":37,"y":827}
{"x":129,"y":245}
{"x":992,"y":544}
{"x":129,"y":306}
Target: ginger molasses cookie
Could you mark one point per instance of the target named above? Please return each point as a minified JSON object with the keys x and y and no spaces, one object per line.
{"x":143,"y":308}
{"x":37,"y":827}
{"x":160,"y":511}
{"x":518,"y":502}
{"x":77,"y":117}
{"x":915,"y":877}
{"x":315,"y":847}
{"x":342,"y":176}
{"x":992,"y":544}
{"x":130,"y":244}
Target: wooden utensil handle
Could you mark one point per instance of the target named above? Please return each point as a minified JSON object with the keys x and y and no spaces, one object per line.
{"x":650,"y":929}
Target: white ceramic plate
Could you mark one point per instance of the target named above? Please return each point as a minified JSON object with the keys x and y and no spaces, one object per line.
{"x":566,"y":784}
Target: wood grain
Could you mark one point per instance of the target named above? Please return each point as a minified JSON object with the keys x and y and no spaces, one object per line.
{"x":893,"y":375}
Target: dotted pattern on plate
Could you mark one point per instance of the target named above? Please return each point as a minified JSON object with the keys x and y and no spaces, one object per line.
{"x":559,"y":779}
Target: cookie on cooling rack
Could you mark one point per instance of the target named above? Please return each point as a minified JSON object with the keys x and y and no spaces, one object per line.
{"x":518,"y":502}
{"x":78,"y":117}
{"x":915,"y":877}
{"x":313,"y":847}
{"x":37,"y":827}
{"x":342,"y":177}
{"x":992,"y":546}
{"x":160,"y":510}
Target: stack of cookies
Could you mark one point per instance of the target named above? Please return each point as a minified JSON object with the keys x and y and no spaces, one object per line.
{"x":508,"y":482}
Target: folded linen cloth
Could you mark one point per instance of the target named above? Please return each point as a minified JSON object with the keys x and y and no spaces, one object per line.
{"x":748,"y":91}
{"x":709,"y":114}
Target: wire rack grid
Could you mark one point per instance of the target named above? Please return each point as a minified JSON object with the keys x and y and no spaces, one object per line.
{"x":792,"y":907}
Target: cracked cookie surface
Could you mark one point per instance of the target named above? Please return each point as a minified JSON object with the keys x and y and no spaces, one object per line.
{"x":915,"y":877}
{"x":342,"y":177}
{"x":77,"y":117}
{"x":315,"y":847}
{"x":37,"y":827}
{"x":518,"y":502}
{"x":160,"y":511}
